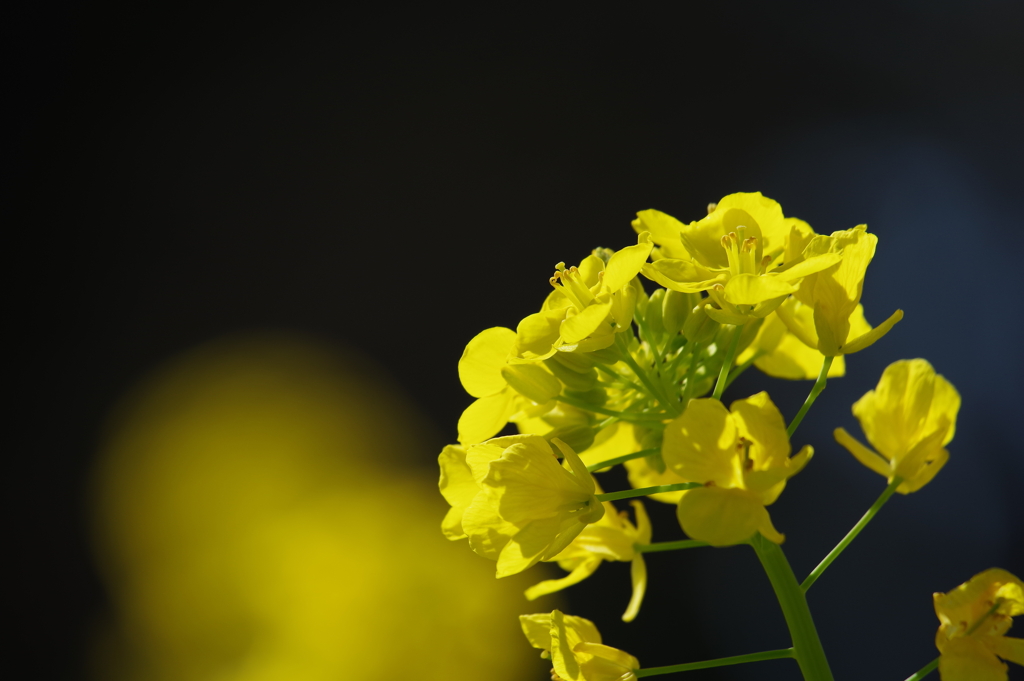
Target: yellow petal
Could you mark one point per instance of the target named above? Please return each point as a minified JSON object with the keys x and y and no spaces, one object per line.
{"x":752,"y":289}
{"x":642,"y":475}
{"x":759,"y":420}
{"x":626,"y":263}
{"x":643,"y":522}
{"x":684,"y":276}
{"x":664,"y":228}
{"x":537,"y":334}
{"x":537,"y":629}
{"x":863,"y":454}
{"x":1006,"y":647}
{"x":868,"y":338}
{"x":458,"y":488}
{"x":723,"y":517}
{"x":638,"y":576}
{"x":485,"y":417}
{"x":700,"y":444}
{"x":966,"y":659}
{"x":576,"y":328}
{"x":548,"y":586}
{"x":482,"y":360}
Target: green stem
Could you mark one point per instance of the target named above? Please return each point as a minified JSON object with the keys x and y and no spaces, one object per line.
{"x":806,"y":645}
{"x":654,"y":391}
{"x":645,"y":491}
{"x":852,"y":534}
{"x":924,"y":671}
{"x":740,"y":368}
{"x":618,"y":377}
{"x":720,"y":662}
{"x":646,"y":334}
{"x":819,"y":385}
{"x":624,"y":415}
{"x":669,"y":545}
{"x":622,"y":459}
{"x":730,"y":355}
{"x":691,"y":377}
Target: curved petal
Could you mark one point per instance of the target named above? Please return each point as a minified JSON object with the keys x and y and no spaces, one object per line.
{"x":482,"y":360}
{"x":752,"y":289}
{"x":869,"y":338}
{"x":700,"y":444}
{"x":966,"y":659}
{"x":626,"y":263}
{"x":722,"y":517}
{"x":457,"y":487}
{"x":579,"y":326}
{"x":638,"y":576}
{"x":862,"y":453}
{"x":549,"y":586}
{"x":485,"y":417}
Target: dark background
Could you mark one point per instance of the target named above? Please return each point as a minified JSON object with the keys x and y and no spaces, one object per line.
{"x":398,"y":180}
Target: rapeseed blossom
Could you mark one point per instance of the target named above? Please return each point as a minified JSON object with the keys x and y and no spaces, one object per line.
{"x":574,"y":646}
{"x":744,"y":254}
{"x":589,"y":304}
{"x":502,"y":388}
{"x":741,"y":456}
{"x":973,"y":620}
{"x":909,"y":418}
{"x":834,"y":322}
{"x":526,"y":506}
{"x":613,"y":537}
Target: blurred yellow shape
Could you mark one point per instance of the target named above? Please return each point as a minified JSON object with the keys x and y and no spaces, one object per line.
{"x":265,"y":510}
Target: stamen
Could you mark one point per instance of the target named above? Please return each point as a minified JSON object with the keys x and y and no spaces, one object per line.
{"x":749,"y":244}
{"x":712,"y":207}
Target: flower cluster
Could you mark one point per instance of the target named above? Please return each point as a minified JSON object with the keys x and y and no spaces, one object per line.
{"x":626,"y":362}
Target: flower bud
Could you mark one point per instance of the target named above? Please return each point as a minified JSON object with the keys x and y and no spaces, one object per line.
{"x":571,"y":379}
{"x":531,"y":381}
{"x":577,"y":436}
{"x":699,"y":327}
{"x":675,"y":309}
{"x":653,"y":315}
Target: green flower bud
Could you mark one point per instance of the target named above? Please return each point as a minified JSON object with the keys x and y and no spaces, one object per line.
{"x":577,"y":436}
{"x":699,"y":327}
{"x":571,"y":379}
{"x":531,"y":381}
{"x":675,"y":309}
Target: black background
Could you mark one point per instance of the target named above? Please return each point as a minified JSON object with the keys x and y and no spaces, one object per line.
{"x":397,"y":180}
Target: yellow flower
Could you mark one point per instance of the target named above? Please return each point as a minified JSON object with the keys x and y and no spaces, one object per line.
{"x":778,"y":352}
{"x":588,"y":305}
{"x":527,"y":506}
{"x":613,"y":537}
{"x":744,"y":254}
{"x":502,"y":388}
{"x":973,"y":618}
{"x":742,"y":458}
{"x":834,"y":320}
{"x":909,"y":418}
{"x":575,"y":648}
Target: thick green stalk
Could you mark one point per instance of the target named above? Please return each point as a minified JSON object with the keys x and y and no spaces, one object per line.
{"x":806,"y":645}
{"x":720,"y":662}
{"x":669,"y":545}
{"x":819,"y":385}
{"x":622,"y":459}
{"x":852,"y":534}
{"x":730,"y":355}
{"x":645,"y":491}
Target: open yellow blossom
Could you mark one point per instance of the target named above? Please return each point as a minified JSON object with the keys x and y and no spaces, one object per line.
{"x":503,"y":388}
{"x":909,"y":418}
{"x":779,"y":353}
{"x":741,"y":457}
{"x":973,"y":620}
{"x":832,"y":296}
{"x":613,"y":537}
{"x":527,"y":506}
{"x":588,"y":305}
{"x":742,"y":254}
{"x":574,"y":646}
